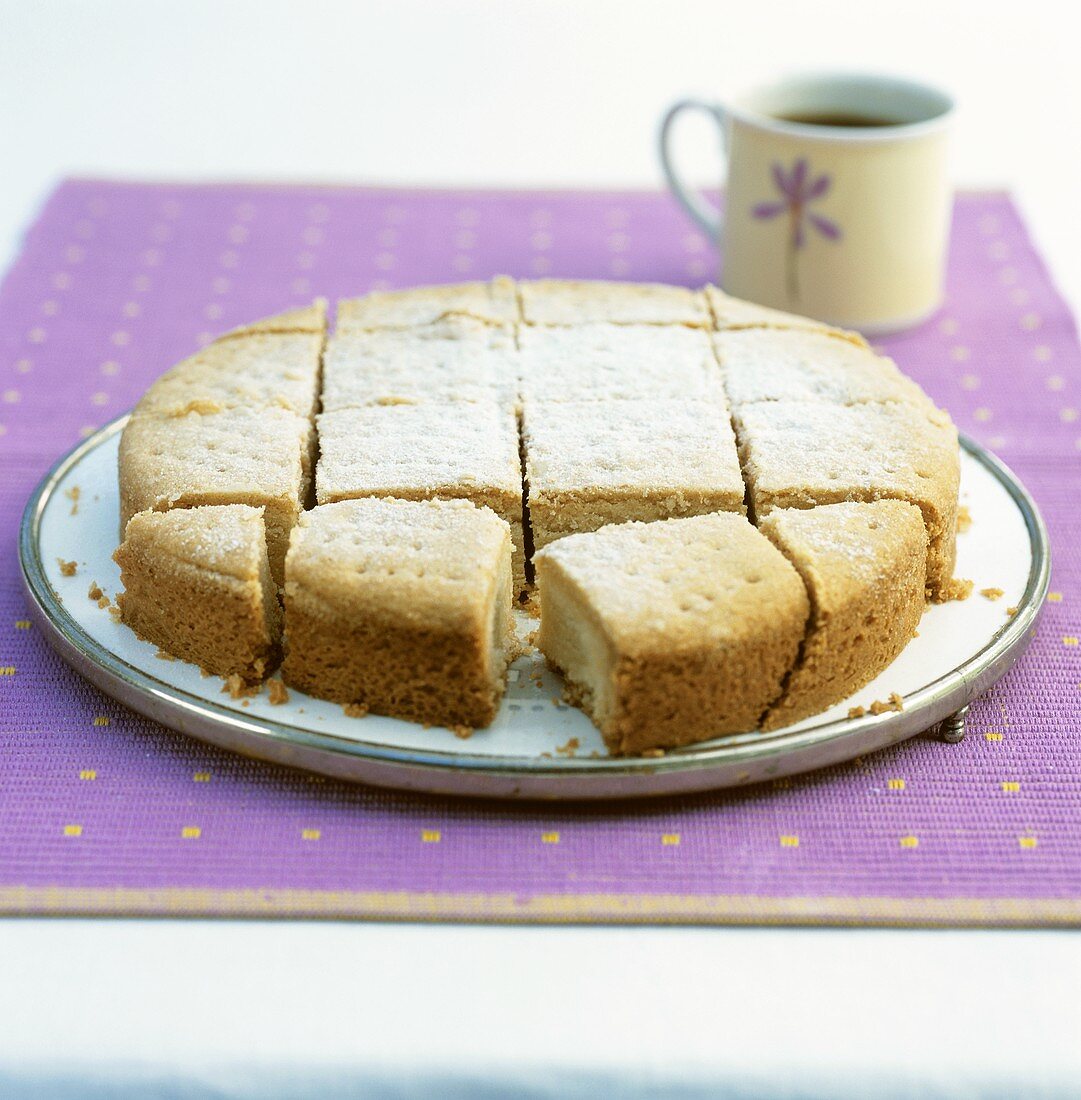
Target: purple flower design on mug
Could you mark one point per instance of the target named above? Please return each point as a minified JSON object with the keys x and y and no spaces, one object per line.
{"x":798,"y":190}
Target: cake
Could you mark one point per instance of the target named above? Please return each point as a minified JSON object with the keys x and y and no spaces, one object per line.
{"x":197,"y":584}
{"x":576,"y":302}
{"x":792,"y":364}
{"x":495,"y":303}
{"x":728,"y":313}
{"x":799,"y":454}
{"x":452,"y":360}
{"x":607,"y":362}
{"x":235,"y":456}
{"x":401,"y":608}
{"x":673,"y":632}
{"x":591,"y":422}
{"x":259,"y":371}
{"x":864,"y":567}
{"x":590,"y":463}
{"x":467,"y":451}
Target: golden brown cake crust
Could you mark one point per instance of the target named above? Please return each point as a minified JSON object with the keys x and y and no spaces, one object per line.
{"x":402,"y":607}
{"x":864,"y":566}
{"x":197,"y":583}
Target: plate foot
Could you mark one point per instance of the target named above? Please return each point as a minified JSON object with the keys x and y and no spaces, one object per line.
{"x":952,"y":729}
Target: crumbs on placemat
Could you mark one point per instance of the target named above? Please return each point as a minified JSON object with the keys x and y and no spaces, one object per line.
{"x":964,"y":519}
{"x":73,"y":495}
{"x":992,"y":593}
{"x":67,"y":568}
{"x":277,"y":693}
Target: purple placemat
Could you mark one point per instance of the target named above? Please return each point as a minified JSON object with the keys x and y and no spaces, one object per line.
{"x":103,"y":811}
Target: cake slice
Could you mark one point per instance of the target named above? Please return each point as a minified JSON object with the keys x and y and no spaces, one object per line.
{"x":197,"y":584}
{"x":262,"y":371}
{"x":494,"y":303}
{"x":605,"y":362}
{"x":576,"y":302}
{"x":236,"y":456}
{"x":865,"y":568}
{"x":735,"y":313}
{"x":467,"y":451}
{"x":670,"y":633}
{"x":590,"y":463}
{"x":796,"y":454}
{"x":309,"y":319}
{"x":781,"y":364}
{"x":402,"y":608}
{"x":455,"y":359}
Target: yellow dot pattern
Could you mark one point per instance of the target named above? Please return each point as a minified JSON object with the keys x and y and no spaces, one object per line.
{"x":191,"y":832}
{"x":430,"y":836}
{"x":310,"y":834}
{"x":789,"y":840}
{"x":895,"y":784}
{"x":910,"y":842}
{"x":73,"y":830}
{"x":88,"y":773}
{"x":670,"y":840}
{"x":101,"y":720}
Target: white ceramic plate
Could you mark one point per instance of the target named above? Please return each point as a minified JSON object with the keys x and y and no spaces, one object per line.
{"x":537,"y":747}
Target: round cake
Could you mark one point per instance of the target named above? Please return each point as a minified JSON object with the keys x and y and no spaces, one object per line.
{"x":728,"y":517}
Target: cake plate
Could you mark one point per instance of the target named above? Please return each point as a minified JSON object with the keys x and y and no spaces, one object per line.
{"x":537,"y":747}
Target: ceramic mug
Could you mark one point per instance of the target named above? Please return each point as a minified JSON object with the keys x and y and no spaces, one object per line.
{"x":837,"y":198}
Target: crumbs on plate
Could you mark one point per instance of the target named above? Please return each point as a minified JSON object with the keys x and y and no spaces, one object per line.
{"x":67,"y":568}
{"x":277,"y":693}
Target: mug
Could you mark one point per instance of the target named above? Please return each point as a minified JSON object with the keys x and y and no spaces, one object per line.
{"x":837,"y":203}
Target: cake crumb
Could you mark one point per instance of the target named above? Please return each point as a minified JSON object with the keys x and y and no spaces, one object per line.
{"x":67,"y":568}
{"x":1011,"y":611}
{"x":557,"y":702}
{"x":236,"y":687}
{"x":73,"y":495}
{"x":163,"y":656}
{"x":894,"y":702}
{"x":992,"y":593}
{"x":570,"y":748}
{"x":278,"y":693}
{"x":95,"y":593}
{"x":964,"y":519}
{"x":355,"y":710}
{"x":653,"y":753}
{"x":463,"y":733}
{"x":103,"y":602}
{"x":115,"y":613}
{"x":856,"y":712}
{"x":955,"y":589}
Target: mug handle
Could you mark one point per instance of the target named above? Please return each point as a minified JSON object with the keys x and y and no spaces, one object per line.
{"x":704,"y":213}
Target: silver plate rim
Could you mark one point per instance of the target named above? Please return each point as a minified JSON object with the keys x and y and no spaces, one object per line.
{"x":715,"y":764}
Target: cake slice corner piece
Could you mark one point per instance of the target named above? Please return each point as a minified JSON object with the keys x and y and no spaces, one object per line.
{"x":730,"y":313}
{"x":865,"y":568}
{"x":401,"y":607}
{"x":307,"y":319}
{"x":670,"y":633}
{"x":494,"y":302}
{"x":583,"y":301}
{"x":197,"y":584}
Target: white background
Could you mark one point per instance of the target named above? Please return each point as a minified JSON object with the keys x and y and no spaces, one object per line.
{"x":512,"y":93}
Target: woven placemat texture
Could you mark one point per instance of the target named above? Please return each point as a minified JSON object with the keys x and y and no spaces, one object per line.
{"x":103,"y":811}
